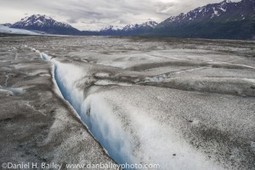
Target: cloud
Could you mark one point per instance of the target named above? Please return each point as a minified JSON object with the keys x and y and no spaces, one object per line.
{"x":95,"y":14}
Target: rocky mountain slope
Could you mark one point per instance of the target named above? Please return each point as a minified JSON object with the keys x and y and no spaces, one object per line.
{"x":220,"y":20}
{"x":45,"y":24}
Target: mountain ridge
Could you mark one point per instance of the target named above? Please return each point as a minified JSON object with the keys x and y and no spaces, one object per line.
{"x":224,"y":20}
{"x":45,"y":24}
{"x":230,"y":20}
{"x":130,"y":29}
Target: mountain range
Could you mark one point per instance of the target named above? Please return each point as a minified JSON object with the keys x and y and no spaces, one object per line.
{"x":131,"y":29}
{"x":229,"y":20}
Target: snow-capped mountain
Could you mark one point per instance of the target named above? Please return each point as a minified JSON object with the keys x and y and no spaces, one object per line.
{"x":220,"y":20}
{"x":45,"y":24}
{"x":111,"y":28}
{"x":219,"y":11}
{"x":145,"y":25}
{"x":131,"y":29}
{"x":227,"y":19}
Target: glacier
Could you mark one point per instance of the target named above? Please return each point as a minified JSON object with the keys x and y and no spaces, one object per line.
{"x":128,"y":135}
{"x":7,"y":30}
{"x":179,"y":108}
{"x":120,"y":141}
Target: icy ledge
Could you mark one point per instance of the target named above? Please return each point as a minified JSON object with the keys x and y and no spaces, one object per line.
{"x":127,"y":134}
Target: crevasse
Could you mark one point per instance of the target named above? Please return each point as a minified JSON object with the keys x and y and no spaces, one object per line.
{"x":92,"y":110}
{"x":127,"y":133}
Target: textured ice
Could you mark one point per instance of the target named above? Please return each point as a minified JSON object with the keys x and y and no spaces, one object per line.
{"x":182,"y":104}
{"x":126,"y":133}
{"x":36,"y":125}
{"x":12,"y":91}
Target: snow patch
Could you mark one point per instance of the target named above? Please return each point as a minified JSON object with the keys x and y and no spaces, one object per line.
{"x":7,"y":30}
{"x":12,"y":91}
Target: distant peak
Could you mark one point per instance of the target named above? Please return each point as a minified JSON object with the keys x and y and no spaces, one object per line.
{"x":42,"y":23}
{"x":227,"y":1}
{"x":37,"y":16}
{"x":42,"y":16}
{"x":111,"y":27}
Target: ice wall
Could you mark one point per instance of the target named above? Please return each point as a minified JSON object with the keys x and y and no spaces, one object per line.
{"x":94,"y":112}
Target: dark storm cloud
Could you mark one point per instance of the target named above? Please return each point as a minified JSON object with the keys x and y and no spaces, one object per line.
{"x":95,"y":14}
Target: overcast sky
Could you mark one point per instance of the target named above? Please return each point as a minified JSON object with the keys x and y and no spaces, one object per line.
{"x":96,"y":14}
